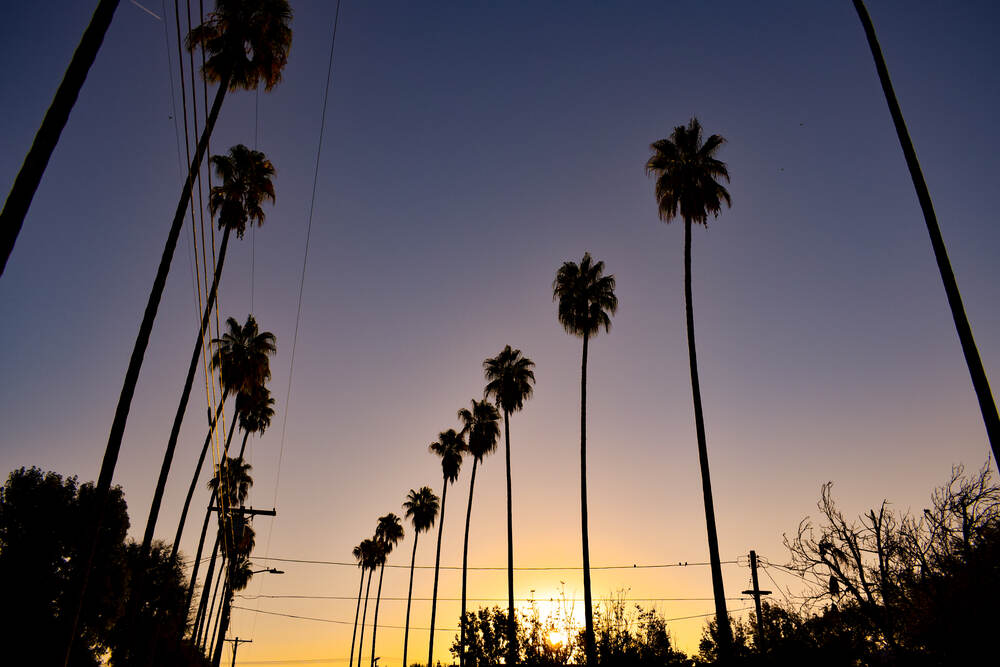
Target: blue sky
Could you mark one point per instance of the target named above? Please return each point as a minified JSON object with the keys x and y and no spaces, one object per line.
{"x":470,"y":149}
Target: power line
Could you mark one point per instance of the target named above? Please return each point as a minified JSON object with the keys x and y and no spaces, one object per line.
{"x":401,"y":599}
{"x":504,"y":568}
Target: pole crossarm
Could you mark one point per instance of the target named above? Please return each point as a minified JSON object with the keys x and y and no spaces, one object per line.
{"x":246,"y":510}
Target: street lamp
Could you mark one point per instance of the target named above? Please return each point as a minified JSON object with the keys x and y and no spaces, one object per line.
{"x":269,"y":570}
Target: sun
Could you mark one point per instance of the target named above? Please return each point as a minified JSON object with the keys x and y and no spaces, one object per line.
{"x":557,"y":637}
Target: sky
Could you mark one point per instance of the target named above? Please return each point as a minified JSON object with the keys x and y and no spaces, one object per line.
{"x":468,"y":150}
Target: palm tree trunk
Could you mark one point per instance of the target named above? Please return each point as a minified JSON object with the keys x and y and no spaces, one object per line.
{"x":208,"y":516}
{"x":409,"y":597}
{"x":357,"y":612}
{"x":721,"y":615}
{"x":465,"y":564}
{"x":135,"y":364}
{"x":30,"y":175}
{"x":194,"y":485}
{"x":205,"y":627}
{"x":364,"y":616}
{"x":980,"y":382}
{"x":218,"y":620}
{"x":168,"y":455}
{"x":437,"y":566}
{"x":378,"y":599}
{"x":590,"y":646}
{"x":227,"y":602}
{"x":204,"y":609}
{"x":511,"y":623}
{"x":243,"y":447}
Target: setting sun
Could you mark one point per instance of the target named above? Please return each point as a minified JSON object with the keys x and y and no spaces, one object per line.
{"x":557,"y":637}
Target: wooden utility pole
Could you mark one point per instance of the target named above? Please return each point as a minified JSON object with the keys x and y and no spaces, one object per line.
{"x":236,"y":644}
{"x":756,"y":593}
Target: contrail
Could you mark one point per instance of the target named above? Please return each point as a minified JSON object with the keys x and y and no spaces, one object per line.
{"x":146,"y":10}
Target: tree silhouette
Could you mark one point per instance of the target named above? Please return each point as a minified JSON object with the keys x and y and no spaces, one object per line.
{"x":364,"y":555}
{"x":586,"y":302}
{"x":246,"y":183}
{"x":374,"y":553}
{"x":388,"y":533}
{"x":686,"y":172}
{"x":509,"y":381}
{"x":421,"y":508}
{"x":247,"y":43}
{"x":450,"y":447}
{"x":480,"y":425}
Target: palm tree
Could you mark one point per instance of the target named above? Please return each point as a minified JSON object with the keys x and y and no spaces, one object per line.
{"x":586,"y":302}
{"x":242,"y":356}
{"x":509,"y":381}
{"x":388,"y":532}
{"x":980,"y":382}
{"x":686,"y":172}
{"x":361,"y":556}
{"x":450,"y":446}
{"x":421,"y":508}
{"x":238,"y":543}
{"x":247,"y":43}
{"x":480,"y":426}
{"x":255,"y":411}
{"x":375,"y":554}
{"x":246,"y":182}
{"x":30,"y":174}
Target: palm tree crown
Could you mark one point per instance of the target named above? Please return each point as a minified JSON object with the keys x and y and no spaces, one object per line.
{"x":234,"y":476}
{"x":241,"y":356}
{"x":421,"y":508}
{"x":246,"y":183}
{"x":245,"y":41}
{"x":586,"y":297}
{"x":686,"y":173}
{"x":509,"y":379}
{"x":366,"y":554}
{"x":256,"y":409}
{"x":389,"y":530}
{"x":450,"y":446}
{"x":481,"y":426}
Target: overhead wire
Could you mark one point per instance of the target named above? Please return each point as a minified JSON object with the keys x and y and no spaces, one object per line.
{"x":633,"y":566}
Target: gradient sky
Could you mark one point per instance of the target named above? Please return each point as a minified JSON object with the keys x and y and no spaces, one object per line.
{"x":470,"y":149}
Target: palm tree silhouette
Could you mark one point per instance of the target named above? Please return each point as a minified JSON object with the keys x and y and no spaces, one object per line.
{"x":686,"y":172}
{"x":238,"y":541}
{"x":509,"y":381}
{"x":481,"y":428}
{"x":421,"y":508}
{"x":255,"y":411}
{"x":363,"y":554}
{"x":388,"y":533}
{"x":242,"y":356}
{"x":246,"y":183}
{"x":450,"y":446}
{"x":374,"y":551}
{"x":586,"y":302}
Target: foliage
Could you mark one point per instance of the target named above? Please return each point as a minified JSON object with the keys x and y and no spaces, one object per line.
{"x":246,"y":182}
{"x":586,"y":297}
{"x":421,"y":508}
{"x":481,"y":426}
{"x":509,"y":379}
{"x":451,"y":447}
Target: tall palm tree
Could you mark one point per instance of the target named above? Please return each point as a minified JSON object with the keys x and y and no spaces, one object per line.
{"x":255,"y":411}
{"x":30,"y":174}
{"x":980,"y":383}
{"x":480,"y":425}
{"x":375,"y":553}
{"x":388,"y":532}
{"x":586,"y":303}
{"x":246,"y":42}
{"x":509,"y":381}
{"x":242,"y":357}
{"x":246,"y":183}
{"x":421,"y":508}
{"x":687,"y":185}
{"x":238,"y":541}
{"x":360,"y":554}
{"x":450,"y":446}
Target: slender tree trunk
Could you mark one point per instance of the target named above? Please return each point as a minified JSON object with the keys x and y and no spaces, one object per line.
{"x":30,"y":175}
{"x":409,"y":597}
{"x":511,"y":622}
{"x":206,"y":628}
{"x":437,"y":566}
{"x":378,"y":599}
{"x":227,"y":602}
{"x":590,"y":647}
{"x":135,"y":364}
{"x":194,"y":485}
{"x":721,"y":615}
{"x":207,"y":644}
{"x":364,"y":616}
{"x":205,"y":609}
{"x":208,"y":516}
{"x":357,"y":612}
{"x":465,"y":563}
{"x":243,"y":447}
{"x":980,"y":382}
{"x":168,"y":454}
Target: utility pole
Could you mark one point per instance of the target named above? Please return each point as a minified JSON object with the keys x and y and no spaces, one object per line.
{"x":236,"y":644}
{"x":756,"y":593}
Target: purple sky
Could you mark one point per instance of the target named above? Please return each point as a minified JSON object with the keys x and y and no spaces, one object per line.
{"x":469,"y":151}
